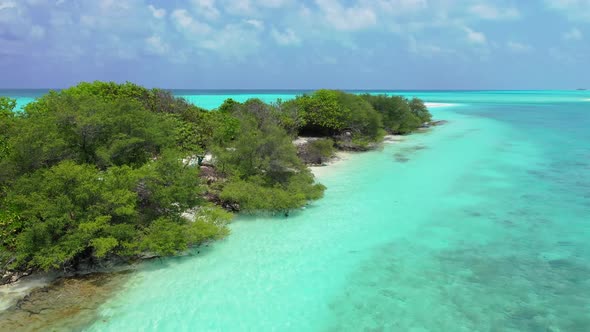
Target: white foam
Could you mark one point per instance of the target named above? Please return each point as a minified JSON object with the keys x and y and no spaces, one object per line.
{"x":436,"y":105}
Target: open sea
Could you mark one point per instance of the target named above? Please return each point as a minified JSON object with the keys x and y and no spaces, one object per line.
{"x":481,"y":224}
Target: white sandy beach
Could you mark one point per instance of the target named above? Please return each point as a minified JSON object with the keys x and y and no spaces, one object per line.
{"x":341,"y":157}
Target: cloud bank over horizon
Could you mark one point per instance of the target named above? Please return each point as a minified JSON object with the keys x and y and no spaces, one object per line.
{"x":289,"y":44}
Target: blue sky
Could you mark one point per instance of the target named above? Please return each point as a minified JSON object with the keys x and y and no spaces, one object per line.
{"x":289,"y":44}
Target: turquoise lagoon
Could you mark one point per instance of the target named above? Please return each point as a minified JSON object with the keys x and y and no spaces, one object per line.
{"x":482,"y":224}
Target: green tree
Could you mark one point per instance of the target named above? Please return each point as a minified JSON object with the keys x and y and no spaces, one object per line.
{"x":317,"y":151}
{"x":420,"y":110}
{"x":7,"y":106}
{"x":262,"y":163}
{"x":71,"y":212}
{"x":97,"y":170}
{"x":398,"y":115}
{"x":331,"y":112}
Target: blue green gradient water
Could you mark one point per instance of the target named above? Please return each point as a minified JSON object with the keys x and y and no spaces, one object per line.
{"x":485,"y":228}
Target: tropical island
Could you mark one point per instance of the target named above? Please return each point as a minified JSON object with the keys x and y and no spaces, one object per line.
{"x":117,"y":172}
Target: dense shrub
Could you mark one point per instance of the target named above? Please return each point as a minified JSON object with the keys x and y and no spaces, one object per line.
{"x":96,"y":170}
{"x":317,"y":151}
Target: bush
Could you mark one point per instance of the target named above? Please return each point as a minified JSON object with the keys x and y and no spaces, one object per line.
{"x":400,"y":116}
{"x":96,"y":170}
{"x":317,"y":151}
{"x":254,"y":197}
{"x":262,"y":164}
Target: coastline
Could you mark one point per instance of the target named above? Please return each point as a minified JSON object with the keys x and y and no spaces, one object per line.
{"x":22,"y":294}
{"x":12,"y":293}
{"x":471,"y":169}
{"x":341,"y":157}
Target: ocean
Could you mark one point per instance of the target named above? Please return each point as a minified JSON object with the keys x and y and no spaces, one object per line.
{"x":481,"y":224}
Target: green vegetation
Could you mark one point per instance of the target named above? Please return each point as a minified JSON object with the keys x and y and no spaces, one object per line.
{"x":400,"y":116}
{"x":317,"y":151}
{"x":331,"y":113}
{"x":261,"y":163}
{"x":97,"y":171}
{"x":7,"y":106}
{"x":102,"y":170}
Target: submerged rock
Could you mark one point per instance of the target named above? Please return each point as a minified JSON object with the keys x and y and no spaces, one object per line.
{"x":69,"y":304}
{"x":401,"y":158}
{"x":439,"y":122}
{"x":9,"y":277}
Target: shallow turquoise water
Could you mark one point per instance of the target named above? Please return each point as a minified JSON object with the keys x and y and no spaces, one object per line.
{"x":484,"y":227}
{"x":210,"y":99}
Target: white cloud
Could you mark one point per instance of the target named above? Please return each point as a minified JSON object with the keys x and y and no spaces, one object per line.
{"x":286,"y":38}
{"x":488,"y":11}
{"x":399,"y":7}
{"x":517,"y":47}
{"x":573,"y":9}
{"x":206,"y":8}
{"x":426,"y":49}
{"x":234,"y":41}
{"x":156,"y":45}
{"x":258,"y":24}
{"x":157,"y":12}
{"x":239,"y":7}
{"x":113,"y":6}
{"x":14,"y":20}
{"x":273,"y":3}
{"x":475,"y":36}
{"x":347,"y":18}
{"x":7,"y":5}
{"x":185,"y":22}
{"x":573,"y":34}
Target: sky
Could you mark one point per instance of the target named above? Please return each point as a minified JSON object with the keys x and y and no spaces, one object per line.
{"x":289,"y":44}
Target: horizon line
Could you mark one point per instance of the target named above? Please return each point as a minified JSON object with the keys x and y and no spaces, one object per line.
{"x":314,"y":89}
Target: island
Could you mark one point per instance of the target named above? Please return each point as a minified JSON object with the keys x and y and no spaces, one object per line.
{"x":105,"y":172}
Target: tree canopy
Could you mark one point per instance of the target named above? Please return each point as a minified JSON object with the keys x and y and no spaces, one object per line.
{"x":262,"y":162}
{"x":97,"y":170}
{"x":103,"y":169}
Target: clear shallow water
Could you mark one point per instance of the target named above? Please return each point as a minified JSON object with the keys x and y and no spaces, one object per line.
{"x":484,"y":227}
{"x":210,"y":99}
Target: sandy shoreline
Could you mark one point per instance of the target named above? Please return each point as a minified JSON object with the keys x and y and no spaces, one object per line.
{"x":10,"y":294}
{"x":341,"y":157}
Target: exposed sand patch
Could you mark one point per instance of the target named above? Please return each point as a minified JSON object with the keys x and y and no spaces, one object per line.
{"x":341,"y":157}
{"x":338,"y":159}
